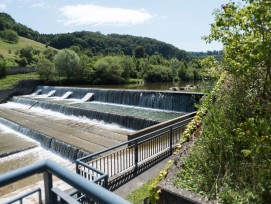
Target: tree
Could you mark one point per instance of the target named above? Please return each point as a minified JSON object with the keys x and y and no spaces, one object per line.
{"x":3,"y":67}
{"x":50,"y":53}
{"x":26,"y":55}
{"x":109,"y":70}
{"x":45,"y":68}
{"x":10,"y":36}
{"x":139,"y":52}
{"x":231,"y":160}
{"x":67,"y":63}
{"x":245,"y":34}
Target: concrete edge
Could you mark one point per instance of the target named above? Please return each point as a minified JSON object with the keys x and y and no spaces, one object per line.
{"x":160,"y":125}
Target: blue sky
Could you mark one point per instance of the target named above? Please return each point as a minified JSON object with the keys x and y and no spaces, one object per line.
{"x":181,"y":23}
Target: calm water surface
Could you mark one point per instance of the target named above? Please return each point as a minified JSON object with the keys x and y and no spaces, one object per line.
{"x":163,"y":86}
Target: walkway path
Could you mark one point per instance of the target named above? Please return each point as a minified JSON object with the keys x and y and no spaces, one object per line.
{"x":141,"y":179}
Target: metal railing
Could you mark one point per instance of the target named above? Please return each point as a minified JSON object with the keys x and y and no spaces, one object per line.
{"x":84,"y":190}
{"x":128,"y":159}
{"x":24,"y":195}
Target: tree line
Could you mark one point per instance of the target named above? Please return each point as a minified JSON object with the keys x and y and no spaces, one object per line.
{"x":95,"y":43}
{"x":68,"y":65}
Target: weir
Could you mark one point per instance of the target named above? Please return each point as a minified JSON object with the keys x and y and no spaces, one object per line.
{"x":166,"y":100}
{"x":64,"y":149}
{"x":105,"y":157}
{"x":135,"y":110}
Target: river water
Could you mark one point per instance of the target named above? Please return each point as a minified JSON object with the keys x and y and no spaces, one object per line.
{"x":163,"y":86}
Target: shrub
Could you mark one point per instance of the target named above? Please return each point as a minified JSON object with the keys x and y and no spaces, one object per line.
{"x":10,"y":36}
{"x":158,"y":73}
{"x":3,"y":67}
{"x":45,"y":69}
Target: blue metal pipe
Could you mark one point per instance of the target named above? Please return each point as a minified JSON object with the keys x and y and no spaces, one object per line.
{"x":92,"y":190}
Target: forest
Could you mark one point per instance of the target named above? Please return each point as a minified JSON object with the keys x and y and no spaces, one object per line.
{"x":93,"y":58}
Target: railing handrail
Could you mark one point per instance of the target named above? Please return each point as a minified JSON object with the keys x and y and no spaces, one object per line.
{"x":24,"y":195}
{"x":130,"y":142}
{"x":90,"y":189}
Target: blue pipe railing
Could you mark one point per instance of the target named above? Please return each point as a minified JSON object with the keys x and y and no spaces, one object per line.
{"x":92,"y":192}
{"x":24,"y":195}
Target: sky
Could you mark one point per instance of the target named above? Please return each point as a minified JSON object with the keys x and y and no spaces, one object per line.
{"x":181,"y":23}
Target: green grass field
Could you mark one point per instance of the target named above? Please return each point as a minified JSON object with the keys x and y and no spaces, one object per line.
{"x":8,"y":50}
{"x":9,"y":81}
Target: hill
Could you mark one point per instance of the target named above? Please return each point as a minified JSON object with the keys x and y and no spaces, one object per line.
{"x":8,"y":50}
{"x":96,"y":43}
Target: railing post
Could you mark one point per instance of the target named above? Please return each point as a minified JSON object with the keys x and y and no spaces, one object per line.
{"x":136,"y":156}
{"x":40,"y":198}
{"x":106,"y":182}
{"x":50,"y":197}
{"x":171,"y":141}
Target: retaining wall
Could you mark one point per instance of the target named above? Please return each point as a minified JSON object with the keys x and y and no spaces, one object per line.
{"x":21,"y":88}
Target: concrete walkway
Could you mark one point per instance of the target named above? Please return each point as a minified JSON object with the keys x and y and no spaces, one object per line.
{"x":141,"y":179}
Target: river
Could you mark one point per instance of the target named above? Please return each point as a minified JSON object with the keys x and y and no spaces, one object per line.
{"x":163,"y":86}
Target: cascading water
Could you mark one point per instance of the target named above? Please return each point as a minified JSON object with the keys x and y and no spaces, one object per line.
{"x":123,"y":120}
{"x":130,"y":109}
{"x":174,"y":101}
{"x":60,"y":147}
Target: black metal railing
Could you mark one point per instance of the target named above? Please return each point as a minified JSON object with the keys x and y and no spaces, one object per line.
{"x":84,"y":191}
{"x":131,"y":157}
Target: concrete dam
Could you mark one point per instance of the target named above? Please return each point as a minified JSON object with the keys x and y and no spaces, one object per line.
{"x":74,"y":122}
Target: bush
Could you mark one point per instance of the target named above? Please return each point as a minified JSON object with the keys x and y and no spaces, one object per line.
{"x":3,"y":68}
{"x":113,"y":69}
{"x":108,"y":70}
{"x":158,"y":73}
{"x":10,"y":36}
{"x":45,"y":69}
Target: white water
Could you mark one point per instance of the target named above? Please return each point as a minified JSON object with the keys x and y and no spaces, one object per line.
{"x":63,"y":116}
{"x":28,"y":156}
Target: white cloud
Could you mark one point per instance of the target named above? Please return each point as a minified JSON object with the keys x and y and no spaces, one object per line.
{"x":39,"y":5}
{"x":88,"y":14}
{"x":3,"y":6}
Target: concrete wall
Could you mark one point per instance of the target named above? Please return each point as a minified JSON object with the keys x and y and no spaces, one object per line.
{"x":21,"y":88}
{"x":160,"y":125}
{"x":20,"y":70}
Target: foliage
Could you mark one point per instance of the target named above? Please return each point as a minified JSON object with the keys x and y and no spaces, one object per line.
{"x":112,"y":70}
{"x":158,"y":73}
{"x":26,"y":55}
{"x":211,"y":68}
{"x":95,"y":43}
{"x":217,"y":54}
{"x":153,"y":191}
{"x":67,"y":63}
{"x":10,"y":36}
{"x":138,"y":195}
{"x":45,"y":68}
{"x":49,"y":53}
{"x":10,"y":51}
{"x":3,"y":67}
{"x":231,"y":161}
{"x":149,"y":190}
{"x":139,"y":52}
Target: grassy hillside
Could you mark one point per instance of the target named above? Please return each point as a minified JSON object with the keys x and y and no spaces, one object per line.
{"x":8,"y":50}
{"x":8,"y":81}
